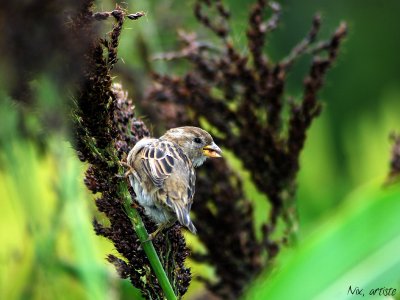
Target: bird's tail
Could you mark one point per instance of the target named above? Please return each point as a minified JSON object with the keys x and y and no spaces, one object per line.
{"x":183,"y":216}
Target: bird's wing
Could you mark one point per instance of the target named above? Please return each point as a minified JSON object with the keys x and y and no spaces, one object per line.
{"x":170,"y":169}
{"x":158,"y":160}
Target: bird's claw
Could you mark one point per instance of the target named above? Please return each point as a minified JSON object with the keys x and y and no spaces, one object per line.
{"x":126,"y":175}
{"x":149,"y":239}
{"x":134,"y":205}
{"x":124,"y":163}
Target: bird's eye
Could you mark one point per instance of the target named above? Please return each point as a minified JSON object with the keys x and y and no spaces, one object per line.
{"x":197,"y":140}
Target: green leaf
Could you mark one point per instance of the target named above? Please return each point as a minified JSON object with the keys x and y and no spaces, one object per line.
{"x":358,"y":247}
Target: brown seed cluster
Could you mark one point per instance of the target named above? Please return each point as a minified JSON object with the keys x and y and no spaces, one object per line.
{"x":242,"y":97}
{"x":105,"y":130}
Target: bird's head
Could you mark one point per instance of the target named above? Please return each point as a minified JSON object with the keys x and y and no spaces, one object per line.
{"x":195,"y":142}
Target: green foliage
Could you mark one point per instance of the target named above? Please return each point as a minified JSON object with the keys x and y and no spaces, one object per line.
{"x":356,"y":247}
{"x":42,"y":202}
{"x":49,"y":250}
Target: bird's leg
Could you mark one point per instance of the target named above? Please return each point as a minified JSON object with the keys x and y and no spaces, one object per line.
{"x":153,"y":235}
{"x":124,"y":164}
{"x":159,"y":229}
{"x":127,"y":173}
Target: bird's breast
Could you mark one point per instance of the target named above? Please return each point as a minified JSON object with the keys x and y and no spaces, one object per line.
{"x":153,"y":208}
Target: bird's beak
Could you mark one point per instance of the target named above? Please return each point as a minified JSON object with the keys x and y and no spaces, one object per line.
{"x":212,"y":150}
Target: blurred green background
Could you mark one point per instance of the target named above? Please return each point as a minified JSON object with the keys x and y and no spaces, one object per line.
{"x":349,"y":231}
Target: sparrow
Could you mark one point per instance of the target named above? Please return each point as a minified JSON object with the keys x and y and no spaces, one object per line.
{"x":162,"y":175}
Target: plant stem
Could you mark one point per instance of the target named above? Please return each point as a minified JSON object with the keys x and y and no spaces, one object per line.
{"x":147,"y":244}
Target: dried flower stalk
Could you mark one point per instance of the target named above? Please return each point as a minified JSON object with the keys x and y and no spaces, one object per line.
{"x":105,"y":130}
{"x":242,"y":97}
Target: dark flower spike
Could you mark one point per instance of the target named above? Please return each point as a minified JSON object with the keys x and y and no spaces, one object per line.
{"x":242,"y":96}
{"x":105,"y":130}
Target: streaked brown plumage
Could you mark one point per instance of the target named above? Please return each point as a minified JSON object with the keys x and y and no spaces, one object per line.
{"x":162,"y":173}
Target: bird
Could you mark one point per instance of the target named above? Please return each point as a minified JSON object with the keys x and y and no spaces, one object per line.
{"x":162,"y":174}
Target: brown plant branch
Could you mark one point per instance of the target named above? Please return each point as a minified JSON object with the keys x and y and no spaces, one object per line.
{"x":241,"y":97}
{"x":105,"y":130}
